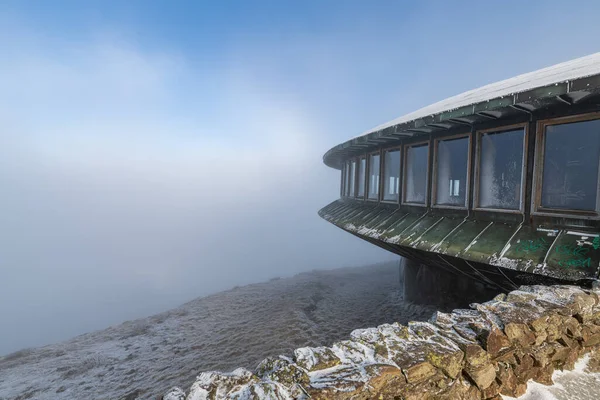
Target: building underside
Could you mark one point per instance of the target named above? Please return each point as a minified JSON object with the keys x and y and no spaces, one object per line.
{"x":499,"y":254}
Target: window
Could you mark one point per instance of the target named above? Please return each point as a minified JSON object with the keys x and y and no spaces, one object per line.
{"x":416,"y":174}
{"x":570,"y":166}
{"x":500,"y":169}
{"x":391,"y":175}
{"x":352,"y":179}
{"x":343,"y":181}
{"x":347,"y":167}
{"x":451,"y":171}
{"x":374,"y":176}
{"x":361,"y":177}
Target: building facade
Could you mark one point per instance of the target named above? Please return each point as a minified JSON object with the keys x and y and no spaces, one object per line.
{"x":499,"y":184}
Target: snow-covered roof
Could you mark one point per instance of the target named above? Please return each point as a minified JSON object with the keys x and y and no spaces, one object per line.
{"x":557,"y":74}
{"x":563,"y":72}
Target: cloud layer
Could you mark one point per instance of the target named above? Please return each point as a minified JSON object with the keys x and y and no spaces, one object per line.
{"x":123,"y":195}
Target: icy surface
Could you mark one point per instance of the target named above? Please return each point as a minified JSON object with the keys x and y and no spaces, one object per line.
{"x":578,"y":384}
{"x":237,"y":328}
{"x":573,"y":69}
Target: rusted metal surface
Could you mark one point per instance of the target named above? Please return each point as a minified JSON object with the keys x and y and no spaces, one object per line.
{"x":562,"y":254}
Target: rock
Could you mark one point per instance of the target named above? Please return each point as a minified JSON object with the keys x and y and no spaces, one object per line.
{"x":472,"y":394}
{"x":520,"y":334}
{"x":560,"y":354}
{"x":174,"y":394}
{"x":593,"y":364}
{"x":524,"y":368}
{"x":476,"y":357}
{"x":483,"y":376}
{"x":450,"y":363}
{"x":283,"y":371}
{"x":315,"y":358}
{"x":542,"y":355}
{"x":419,"y":372}
{"x":571,"y":359}
{"x":492,"y":391}
{"x":209,"y":383}
{"x":520,"y":389}
{"x":590,"y":335}
{"x":387,"y":382}
{"x":544,"y":375}
{"x":497,"y":342}
{"x":540,"y":324}
{"x":507,"y":380}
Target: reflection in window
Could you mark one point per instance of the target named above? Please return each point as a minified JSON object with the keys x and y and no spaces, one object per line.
{"x":571,"y":153}
{"x":501,"y":169}
{"x":374,"y":176}
{"x":361,"y":177}
{"x":416,"y":173}
{"x":391,"y":175}
{"x":346,"y":171}
{"x":451,"y":175}
{"x":351,"y":178}
{"x":343,"y":180}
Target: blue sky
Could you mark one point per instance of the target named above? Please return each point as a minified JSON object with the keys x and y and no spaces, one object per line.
{"x":159,"y":151}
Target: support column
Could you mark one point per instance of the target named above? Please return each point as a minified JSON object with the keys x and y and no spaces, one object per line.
{"x":411,"y":287}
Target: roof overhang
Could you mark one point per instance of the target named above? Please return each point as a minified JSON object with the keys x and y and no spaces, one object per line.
{"x":502,"y":100}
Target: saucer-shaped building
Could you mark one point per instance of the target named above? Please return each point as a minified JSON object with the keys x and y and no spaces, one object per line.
{"x":499,"y":183}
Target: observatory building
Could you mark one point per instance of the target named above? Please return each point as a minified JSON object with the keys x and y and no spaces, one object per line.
{"x":498,"y":184}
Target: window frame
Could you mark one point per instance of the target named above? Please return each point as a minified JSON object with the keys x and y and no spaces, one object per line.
{"x":479,"y":134}
{"x":368,"y":175}
{"x":400,"y":172}
{"x":356,"y":188}
{"x":538,"y":171}
{"x":435,"y":164}
{"x":405,"y":147}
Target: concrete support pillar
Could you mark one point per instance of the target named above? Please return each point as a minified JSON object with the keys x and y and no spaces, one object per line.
{"x":411,"y":286}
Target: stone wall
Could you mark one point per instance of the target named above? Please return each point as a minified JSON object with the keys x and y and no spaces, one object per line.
{"x":491,"y":349}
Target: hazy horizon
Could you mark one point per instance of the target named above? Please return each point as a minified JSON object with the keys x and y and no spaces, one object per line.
{"x":152,"y":153}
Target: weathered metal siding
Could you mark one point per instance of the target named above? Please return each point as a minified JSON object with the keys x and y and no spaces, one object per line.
{"x":563,"y":254}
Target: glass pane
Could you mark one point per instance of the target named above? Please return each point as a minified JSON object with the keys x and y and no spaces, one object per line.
{"x":571,"y":153}
{"x":451,"y":175}
{"x":347,"y":179}
{"x":374,"y":176}
{"x":416,"y":174}
{"x":342,"y":180}
{"x":361,"y":177}
{"x":501,"y":169}
{"x":391,"y":175}
{"x":352,"y":180}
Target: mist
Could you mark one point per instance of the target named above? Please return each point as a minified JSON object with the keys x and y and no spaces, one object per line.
{"x":140,"y":171}
{"x":114,"y":209}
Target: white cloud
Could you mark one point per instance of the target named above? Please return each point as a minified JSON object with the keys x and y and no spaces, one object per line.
{"x":112,"y":181}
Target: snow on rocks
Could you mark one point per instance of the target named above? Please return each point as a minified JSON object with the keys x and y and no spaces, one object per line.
{"x":493,"y":349}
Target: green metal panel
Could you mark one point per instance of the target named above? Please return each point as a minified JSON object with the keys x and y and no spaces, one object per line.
{"x":574,"y":255}
{"x":418,"y":229}
{"x":489,"y":243}
{"x":394,"y":219}
{"x":399,"y":227}
{"x":494,"y":104}
{"x":461,"y":237}
{"x":434,"y":236}
{"x":539,"y":93}
{"x":459,"y":112}
{"x":390,"y":215}
{"x":528,"y":249}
